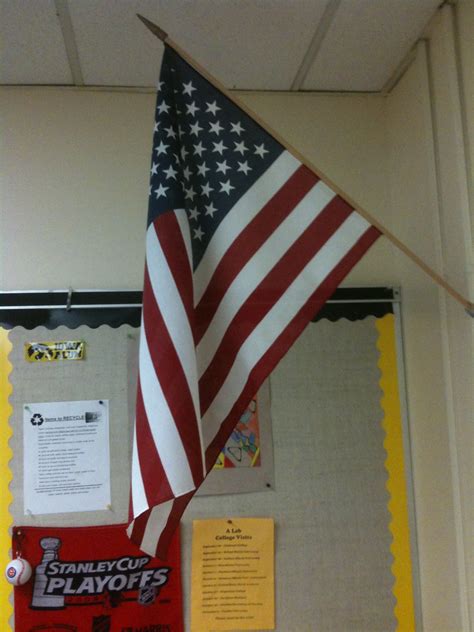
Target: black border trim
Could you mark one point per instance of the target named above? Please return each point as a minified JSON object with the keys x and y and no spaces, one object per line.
{"x":115,"y":308}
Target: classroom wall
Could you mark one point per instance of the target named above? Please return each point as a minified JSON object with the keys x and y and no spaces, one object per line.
{"x":464,"y":39}
{"x":429,"y":145}
{"x":74,"y":170}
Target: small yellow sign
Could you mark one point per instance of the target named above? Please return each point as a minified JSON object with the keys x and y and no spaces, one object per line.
{"x":233,"y":581}
{"x":52,"y":351}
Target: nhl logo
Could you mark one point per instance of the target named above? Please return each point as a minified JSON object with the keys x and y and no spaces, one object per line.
{"x":147,"y":595}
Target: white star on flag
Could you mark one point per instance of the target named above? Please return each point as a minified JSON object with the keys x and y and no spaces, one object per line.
{"x":198,"y":233}
{"x":163,"y":107}
{"x":212,"y":108}
{"x":244,"y":167}
{"x":237,"y":128}
{"x":210,"y":209}
{"x":260,"y":150}
{"x":170,"y":132}
{"x":195,"y":128}
{"x":199,"y":149}
{"x":170,"y":172}
{"x":206,"y":189}
{"x":161,"y":191}
{"x":187,"y":173}
{"x":189,"y":193}
{"x":240,"y":147}
{"x":188,"y":88}
{"x":216,"y":128}
{"x":194,"y":213}
{"x":161,"y":149}
{"x":219,"y":147}
{"x":192,"y":108}
{"x":226,"y":187}
{"x":203,"y":169}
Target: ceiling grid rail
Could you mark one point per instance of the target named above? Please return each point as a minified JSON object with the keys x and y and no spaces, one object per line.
{"x":315,"y":45}
{"x":67,"y":30}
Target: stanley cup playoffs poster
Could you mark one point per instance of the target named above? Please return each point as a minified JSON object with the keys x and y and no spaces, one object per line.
{"x":93,"y":579}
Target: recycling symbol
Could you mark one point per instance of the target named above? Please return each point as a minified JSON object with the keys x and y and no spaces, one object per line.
{"x":37,"y":419}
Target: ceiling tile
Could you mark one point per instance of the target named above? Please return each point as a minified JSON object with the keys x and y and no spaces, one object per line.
{"x":246,"y":44}
{"x":33,"y":49}
{"x":366,"y":42}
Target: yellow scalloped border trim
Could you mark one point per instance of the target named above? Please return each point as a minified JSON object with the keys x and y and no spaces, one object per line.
{"x":6,"y":609}
{"x":396,"y":485}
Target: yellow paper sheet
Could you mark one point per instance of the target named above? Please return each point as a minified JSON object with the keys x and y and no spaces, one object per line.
{"x":233,"y":575}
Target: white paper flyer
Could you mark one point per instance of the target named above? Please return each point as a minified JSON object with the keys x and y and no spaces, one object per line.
{"x":66,"y":456}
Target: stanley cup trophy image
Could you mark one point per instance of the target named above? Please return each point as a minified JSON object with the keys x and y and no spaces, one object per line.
{"x":40,"y":599}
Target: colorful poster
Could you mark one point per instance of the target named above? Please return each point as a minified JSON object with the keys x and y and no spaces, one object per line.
{"x":246,"y":462}
{"x":233,"y":581}
{"x":243,"y":446}
{"x":93,"y":579}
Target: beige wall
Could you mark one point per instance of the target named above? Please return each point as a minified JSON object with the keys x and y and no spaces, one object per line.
{"x":74,"y":167}
{"x":75,"y":177}
{"x":430,"y":142}
{"x":464,"y":25}
{"x":74,"y":188}
{"x":428,"y":196}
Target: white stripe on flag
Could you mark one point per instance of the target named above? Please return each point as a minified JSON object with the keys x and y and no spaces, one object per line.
{"x":186,"y":233}
{"x":172,"y":309}
{"x":183,"y":223}
{"x":245,"y":209}
{"x":155,"y":525}
{"x":277,"y":319}
{"x":139,"y":499}
{"x":165,"y":434}
{"x":256,"y":269}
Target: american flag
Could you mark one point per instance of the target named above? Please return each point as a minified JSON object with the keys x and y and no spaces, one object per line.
{"x":244,"y":245}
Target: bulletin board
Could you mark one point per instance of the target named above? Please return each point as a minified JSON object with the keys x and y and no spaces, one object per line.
{"x":341,"y":489}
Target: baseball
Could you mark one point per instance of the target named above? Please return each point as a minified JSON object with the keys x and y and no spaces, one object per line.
{"x":18,"y":572}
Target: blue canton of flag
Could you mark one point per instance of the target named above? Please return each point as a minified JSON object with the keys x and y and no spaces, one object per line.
{"x":206,"y":151}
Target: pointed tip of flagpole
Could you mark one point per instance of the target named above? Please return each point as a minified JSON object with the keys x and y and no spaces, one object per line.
{"x":154,"y":28}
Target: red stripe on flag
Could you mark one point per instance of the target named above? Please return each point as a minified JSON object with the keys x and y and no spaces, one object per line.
{"x":130,"y":506}
{"x":172,"y":243}
{"x":249,"y":241}
{"x":270,"y":359}
{"x":172,"y":524}
{"x":153,"y":474}
{"x":172,"y":379}
{"x":165,"y":537}
{"x":270,"y":290}
{"x":139,"y":526}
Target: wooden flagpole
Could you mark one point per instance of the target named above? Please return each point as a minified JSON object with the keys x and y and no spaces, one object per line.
{"x":164,"y":37}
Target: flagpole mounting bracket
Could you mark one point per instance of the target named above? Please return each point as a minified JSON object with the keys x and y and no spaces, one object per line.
{"x":470,"y":310}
